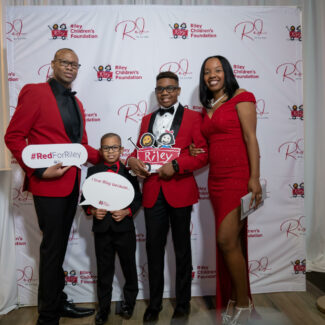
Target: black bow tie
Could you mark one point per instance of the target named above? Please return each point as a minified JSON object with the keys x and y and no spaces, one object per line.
{"x":112,"y":168}
{"x":170,"y":110}
{"x":68,"y":92}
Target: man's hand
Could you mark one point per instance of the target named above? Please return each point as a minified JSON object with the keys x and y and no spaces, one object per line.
{"x":119,"y":215}
{"x":138,"y":167}
{"x":166,"y":171}
{"x":55,"y":171}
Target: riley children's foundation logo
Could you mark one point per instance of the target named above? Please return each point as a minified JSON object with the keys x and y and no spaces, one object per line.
{"x":104,"y":73}
{"x":294,"y":33}
{"x":71,"y":277}
{"x":59,"y":31}
{"x":87,"y":277}
{"x":192,"y":30}
{"x":121,"y":72}
{"x":251,"y":30}
{"x":299,"y":266}
{"x":298,"y":190}
{"x":132,"y":29}
{"x":242,"y":72}
{"x":179,"y":30}
{"x":203,"y":272}
{"x":296,"y":112}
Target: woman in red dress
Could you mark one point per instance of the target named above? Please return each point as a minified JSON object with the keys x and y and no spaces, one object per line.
{"x":229,"y":124}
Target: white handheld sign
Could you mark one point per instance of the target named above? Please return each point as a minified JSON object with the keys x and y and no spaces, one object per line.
{"x":46,"y":155}
{"x":107,"y":191}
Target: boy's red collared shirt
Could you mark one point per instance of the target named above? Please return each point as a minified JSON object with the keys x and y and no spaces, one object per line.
{"x":112,"y":168}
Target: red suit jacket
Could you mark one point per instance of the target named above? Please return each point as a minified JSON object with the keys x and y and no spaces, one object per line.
{"x":37,"y":119}
{"x":181,"y":190}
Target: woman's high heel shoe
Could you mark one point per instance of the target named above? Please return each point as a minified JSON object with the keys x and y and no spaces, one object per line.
{"x":227,"y":315}
{"x":242,"y":315}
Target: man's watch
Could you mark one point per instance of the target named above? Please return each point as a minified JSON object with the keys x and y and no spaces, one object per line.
{"x":175,"y":165}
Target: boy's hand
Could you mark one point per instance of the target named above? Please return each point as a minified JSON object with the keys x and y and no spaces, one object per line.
{"x":98,"y":213}
{"x":119,"y":215}
{"x":166,"y":171}
{"x":138,"y":167}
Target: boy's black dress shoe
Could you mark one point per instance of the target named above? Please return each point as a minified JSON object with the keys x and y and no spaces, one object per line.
{"x":151,"y":314}
{"x":68,"y":309}
{"x":182,"y":310}
{"x":126,"y":310}
{"x":101,"y":317}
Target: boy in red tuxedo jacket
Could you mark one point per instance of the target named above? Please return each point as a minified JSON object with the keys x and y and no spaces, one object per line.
{"x":169,"y":194}
{"x":114,"y":233}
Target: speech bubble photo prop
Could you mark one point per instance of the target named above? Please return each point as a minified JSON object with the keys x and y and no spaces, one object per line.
{"x":46,"y":155}
{"x":107,"y":191}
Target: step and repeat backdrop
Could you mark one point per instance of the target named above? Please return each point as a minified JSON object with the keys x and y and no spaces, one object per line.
{"x":121,"y":50}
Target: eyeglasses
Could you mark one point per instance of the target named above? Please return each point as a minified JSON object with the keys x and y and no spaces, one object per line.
{"x":169,"y":89}
{"x":109,"y":148}
{"x":65,"y":64}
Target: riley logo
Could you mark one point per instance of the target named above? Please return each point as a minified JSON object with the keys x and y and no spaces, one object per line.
{"x":180,"y":67}
{"x":59,"y":31}
{"x":290,"y":71}
{"x":14,"y":30}
{"x":133,"y":112}
{"x":298,"y":190}
{"x":299,"y":266}
{"x":44,"y":70}
{"x":293,"y":227}
{"x":179,"y":31}
{"x":104,"y":73}
{"x":249,"y":29}
{"x":255,"y":267}
{"x":260,"y":109}
{"x":131,"y":29}
{"x":70,"y":277}
{"x":294,"y":33}
{"x":292,"y":149}
{"x":25,"y":274}
{"x":297,"y":112}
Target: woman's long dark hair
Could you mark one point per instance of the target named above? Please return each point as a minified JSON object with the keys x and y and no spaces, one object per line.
{"x":231,"y":84}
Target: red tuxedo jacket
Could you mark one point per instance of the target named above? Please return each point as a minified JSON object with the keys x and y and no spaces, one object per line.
{"x":181,"y":190}
{"x":37,"y":119}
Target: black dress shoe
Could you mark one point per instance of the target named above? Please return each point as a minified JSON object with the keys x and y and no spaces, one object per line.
{"x":151,"y":314}
{"x":126,"y":310}
{"x":69,"y":309}
{"x":182,"y":310}
{"x":101,"y":317}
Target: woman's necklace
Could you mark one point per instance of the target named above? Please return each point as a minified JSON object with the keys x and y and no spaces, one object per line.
{"x":212,"y":103}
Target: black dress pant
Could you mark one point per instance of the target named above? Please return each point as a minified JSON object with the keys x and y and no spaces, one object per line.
{"x":158,"y":218}
{"x":55,"y":216}
{"x":107,"y":244}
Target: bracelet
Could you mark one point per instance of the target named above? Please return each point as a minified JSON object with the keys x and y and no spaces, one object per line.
{"x":175,"y":165}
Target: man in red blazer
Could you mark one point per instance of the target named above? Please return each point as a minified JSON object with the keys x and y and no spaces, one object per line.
{"x":49,"y":113}
{"x":168,"y":195}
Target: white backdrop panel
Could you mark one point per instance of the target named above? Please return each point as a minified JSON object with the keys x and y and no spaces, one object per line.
{"x":132,"y":44}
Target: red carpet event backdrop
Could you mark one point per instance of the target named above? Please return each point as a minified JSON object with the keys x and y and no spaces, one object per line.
{"x":121,"y":50}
